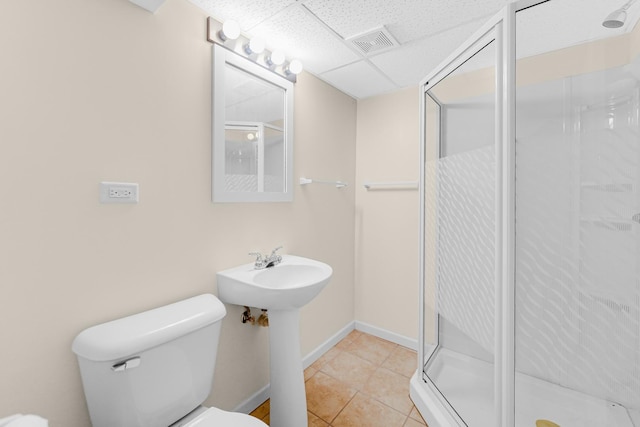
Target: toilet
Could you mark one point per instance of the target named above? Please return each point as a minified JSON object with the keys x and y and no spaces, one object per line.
{"x":155,"y":368}
{"x":19,"y":420}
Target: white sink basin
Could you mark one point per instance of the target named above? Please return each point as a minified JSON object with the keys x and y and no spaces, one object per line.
{"x":282,"y":290}
{"x":289,"y":285}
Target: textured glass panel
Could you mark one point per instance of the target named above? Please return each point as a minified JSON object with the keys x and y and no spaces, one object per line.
{"x":466,"y":244}
{"x":577,"y":238}
{"x":460,"y":238}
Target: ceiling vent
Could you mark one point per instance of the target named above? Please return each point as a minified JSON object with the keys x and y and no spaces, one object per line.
{"x":374,"y":41}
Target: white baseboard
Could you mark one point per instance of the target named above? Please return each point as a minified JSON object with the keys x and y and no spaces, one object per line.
{"x":387,"y":335}
{"x":327,"y":345}
{"x":261,"y":395}
{"x":255,"y":400}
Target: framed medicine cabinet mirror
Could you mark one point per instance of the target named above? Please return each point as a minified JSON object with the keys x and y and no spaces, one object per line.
{"x":252,"y":131}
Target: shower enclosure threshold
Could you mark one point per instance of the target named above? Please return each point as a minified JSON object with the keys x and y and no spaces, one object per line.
{"x":467,"y":384}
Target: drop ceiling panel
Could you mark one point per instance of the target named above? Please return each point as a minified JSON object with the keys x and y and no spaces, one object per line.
{"x":407,"y":20}
{"x":411,"y":63}
{"x":247,"y":13}
{"x":359,"y":80}
{"x":301,"y":36}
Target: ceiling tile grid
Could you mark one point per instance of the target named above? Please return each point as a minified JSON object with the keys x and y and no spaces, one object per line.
{"x":300,"y":35}
{"x":359,"y":80}
{"x":407,"y":20}
{"x":413,"y":61}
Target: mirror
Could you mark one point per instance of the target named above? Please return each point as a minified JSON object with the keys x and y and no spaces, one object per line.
{"x":252,"y":131}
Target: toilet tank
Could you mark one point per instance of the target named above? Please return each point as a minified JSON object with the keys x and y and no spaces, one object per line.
{"x":152,"y":368}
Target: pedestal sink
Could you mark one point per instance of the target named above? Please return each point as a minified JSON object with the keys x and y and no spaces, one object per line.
{"x":282,"y":290}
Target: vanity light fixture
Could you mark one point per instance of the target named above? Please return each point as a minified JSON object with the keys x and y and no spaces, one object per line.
{"x":275,"y":58}
{"x":255,"y":45}
{"x":229,"y":35}
{"x":230,"y":31}
{"x":294,"y":67}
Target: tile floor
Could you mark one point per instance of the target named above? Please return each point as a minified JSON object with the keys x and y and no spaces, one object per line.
{"x":361,"y":382}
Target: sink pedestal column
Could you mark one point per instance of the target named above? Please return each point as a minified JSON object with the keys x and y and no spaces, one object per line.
{"x":288,"y":398}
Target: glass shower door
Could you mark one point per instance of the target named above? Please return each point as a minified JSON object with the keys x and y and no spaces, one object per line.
{"x":459,"y":234}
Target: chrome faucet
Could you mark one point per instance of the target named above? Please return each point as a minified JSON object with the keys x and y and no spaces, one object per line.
{"x":268,"y":260}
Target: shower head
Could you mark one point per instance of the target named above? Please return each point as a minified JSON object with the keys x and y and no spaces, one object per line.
{"x":616,"y":18}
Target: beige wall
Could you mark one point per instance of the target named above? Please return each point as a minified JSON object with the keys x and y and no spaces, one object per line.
{"x":387,"y":220}
{"x":94,"y":90}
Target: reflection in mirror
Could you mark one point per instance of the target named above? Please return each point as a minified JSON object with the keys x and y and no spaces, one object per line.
{"x":252,"y":131}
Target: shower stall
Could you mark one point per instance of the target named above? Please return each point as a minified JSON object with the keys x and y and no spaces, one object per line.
{"x":530,"y":231}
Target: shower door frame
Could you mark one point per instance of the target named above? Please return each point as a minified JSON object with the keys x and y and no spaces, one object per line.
{"x":489,"y":35}
{"x":503,"y":27}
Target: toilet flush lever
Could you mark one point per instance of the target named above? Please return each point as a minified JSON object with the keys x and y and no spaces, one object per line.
{"x":134,"y":362}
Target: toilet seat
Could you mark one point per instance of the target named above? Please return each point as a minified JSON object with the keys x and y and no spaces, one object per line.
{"x":214,"y":417}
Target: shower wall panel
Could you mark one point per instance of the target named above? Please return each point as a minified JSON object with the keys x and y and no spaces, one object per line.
{"x":577,"y":234}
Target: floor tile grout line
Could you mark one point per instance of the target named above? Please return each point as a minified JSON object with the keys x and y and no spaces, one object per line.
{"x":358,"y":388}
{"x":389,"y":355}
{"x":378,"y":365}
{"x":385,"y":404}
{"x":342,"y":409}
{"x":317,"y":416}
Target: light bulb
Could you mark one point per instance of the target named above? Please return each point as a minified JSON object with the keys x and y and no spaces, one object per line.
{"x":295,"y":67}
{"x":230,"y":30}
{"x":276,"y":58}
{"x":255,"y":45}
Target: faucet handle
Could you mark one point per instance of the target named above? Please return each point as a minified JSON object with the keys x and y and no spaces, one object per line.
{"x":273,"y":252}
{"x":274,"y":259}
{"x":258,"y":256}
{"x":259,"y":262}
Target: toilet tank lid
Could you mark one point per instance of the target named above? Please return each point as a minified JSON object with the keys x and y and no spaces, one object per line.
{"x":133,"y":334}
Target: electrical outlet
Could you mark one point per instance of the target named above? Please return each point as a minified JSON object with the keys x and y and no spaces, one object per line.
{"x":118,"y":192}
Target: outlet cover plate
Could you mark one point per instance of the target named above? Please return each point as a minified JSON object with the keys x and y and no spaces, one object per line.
{"x":118,"y":192}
